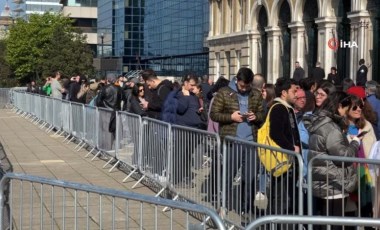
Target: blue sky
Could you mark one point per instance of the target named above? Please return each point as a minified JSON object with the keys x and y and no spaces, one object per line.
{"x":2,"y":3}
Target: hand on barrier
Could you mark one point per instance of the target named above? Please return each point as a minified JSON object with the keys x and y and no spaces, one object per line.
{"x":296,"y":149}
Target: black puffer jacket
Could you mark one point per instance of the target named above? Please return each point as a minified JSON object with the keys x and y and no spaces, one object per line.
{"x":110,"y":96}
{"x":327,"y":138}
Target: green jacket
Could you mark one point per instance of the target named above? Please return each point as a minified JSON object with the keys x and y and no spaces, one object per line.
{"x":226,"y":103}
{"x":47,"y":89}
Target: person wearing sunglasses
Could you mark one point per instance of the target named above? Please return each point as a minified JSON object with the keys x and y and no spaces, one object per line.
{"x":137,"y":99}
{"x":331,"y":182}
{"x":358,"y":124}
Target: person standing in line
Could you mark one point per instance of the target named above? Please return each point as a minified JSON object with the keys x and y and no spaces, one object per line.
{"x":159,"y":90}
{"x":331,"y":182}
{"x":46,"y":88}
{"x":361,"y":74}
{"x":284,"y":132}
{"x":239,"y":110}
{"x":371,"y":87}
{"x":299,"y":72}
{"x":56,"y":87}
{"x":333,"y":77}
{"x":318,"y":73}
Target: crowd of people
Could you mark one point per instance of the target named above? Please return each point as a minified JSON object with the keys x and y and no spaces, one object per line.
{"x":310,"y":116}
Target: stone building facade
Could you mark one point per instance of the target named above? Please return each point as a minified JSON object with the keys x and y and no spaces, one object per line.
{"x":269,"y":36}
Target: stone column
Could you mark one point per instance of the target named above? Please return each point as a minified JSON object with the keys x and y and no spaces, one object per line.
{"x":327,"y":31}
{"x":360,"y":34}
{"x":298,"y":45}
{"x":273,"y":60}
{"x":254,"y":45}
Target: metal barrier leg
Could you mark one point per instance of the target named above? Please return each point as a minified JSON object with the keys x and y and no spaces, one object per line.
{"x":42,"y":125}
{"x":80,"y":142}
{"x":36,"y":121}
{"x":50,"y":129}
{"x":138,"y":182}
{"x":61,"y":133}
{"x":159,"y":193}
{"x":70,"y":140}
{"x":84,"y":143}
{"x":96,"y":155}
{"x":55,"y":134}
{"x":89,"y":152}
{"x":109,"y":161}
{"x":167,"y":208}
{"x":129,"y":175}
{"x":68,"y":135}
{"x":31,"y":118}
{"x":116,"y":164}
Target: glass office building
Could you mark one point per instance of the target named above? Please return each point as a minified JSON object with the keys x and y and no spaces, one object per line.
{"x":175,"y":32}
{"x":165,"y":35}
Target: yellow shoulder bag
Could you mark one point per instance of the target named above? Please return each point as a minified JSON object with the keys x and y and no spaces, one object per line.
{"x":275,"y":162}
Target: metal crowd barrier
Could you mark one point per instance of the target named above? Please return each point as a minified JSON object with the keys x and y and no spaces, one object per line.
{"x":91,"y":127}
{"x":189,"y":163}
{"x":249,"y":191}
{"x":4,"y":97}
{"x":106,"y":139}
{"x":128,"y":140}
{"x":78,"y":121}
{"x":66,"y":117}
{"x":40,"y":203}
{"x":57,"y":114}
{"x":348,"y":186}
{"x":195,"y":165}
{"x":273,"y":221}
{"x":156,"y":151}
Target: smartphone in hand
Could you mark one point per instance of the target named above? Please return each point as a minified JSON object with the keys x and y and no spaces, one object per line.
{"x":362,"y":134}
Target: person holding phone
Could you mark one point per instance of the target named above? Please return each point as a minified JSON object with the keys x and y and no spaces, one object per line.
{"x":137,"y":100}
{"x":360,"y":127}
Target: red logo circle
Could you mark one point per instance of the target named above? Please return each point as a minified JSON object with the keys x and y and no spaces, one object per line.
{"x":333,"y":43}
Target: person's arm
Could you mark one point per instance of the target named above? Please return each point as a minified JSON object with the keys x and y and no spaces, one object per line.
{"x":337,"y":145}
{"x":258,"y":108}
{"x":183,"y":104}
{"x":136,"y":107}
{"x":218,"y":111}
{"x":157,"y":102}
{"x":278,"y":119}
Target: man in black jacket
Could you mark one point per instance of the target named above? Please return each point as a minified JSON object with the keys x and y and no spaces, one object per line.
{"x":318,"y":73}
{"x":361,"y":75}
{"x":159,"y":90}
{"x":284,"y":131}
{"x":299,"y":72}
{"x":110,"y":96}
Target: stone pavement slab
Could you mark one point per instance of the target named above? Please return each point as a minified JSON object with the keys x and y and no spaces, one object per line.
{"x":32,"y":151}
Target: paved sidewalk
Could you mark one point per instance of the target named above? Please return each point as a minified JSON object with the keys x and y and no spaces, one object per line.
{"x":33,"y":151}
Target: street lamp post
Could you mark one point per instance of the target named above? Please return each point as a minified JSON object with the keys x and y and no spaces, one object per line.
{"x":102,"y":40}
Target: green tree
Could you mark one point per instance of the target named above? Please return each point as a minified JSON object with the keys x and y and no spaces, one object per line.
{"x":44,"y":44}
{"x":6,"y":79}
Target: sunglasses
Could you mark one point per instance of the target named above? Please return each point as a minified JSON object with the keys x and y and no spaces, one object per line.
{"x":355,"y":107}
{"x":141,"y":90}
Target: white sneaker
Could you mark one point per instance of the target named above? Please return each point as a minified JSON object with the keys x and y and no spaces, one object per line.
{"x":261,"y":201}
